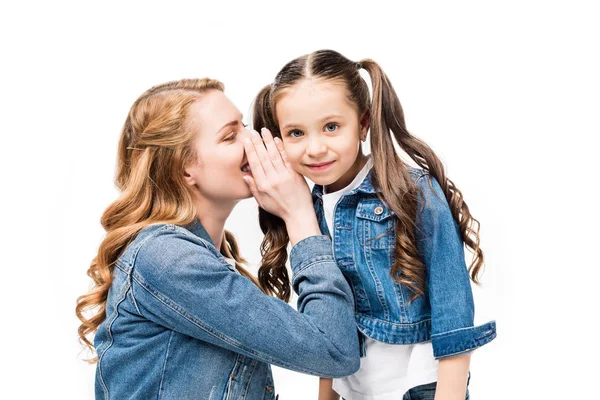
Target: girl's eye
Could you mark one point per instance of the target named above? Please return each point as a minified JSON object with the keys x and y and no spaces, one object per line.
{"x":295,"y":133}
{"x":230,"y":137}
{"x":332,"y":127}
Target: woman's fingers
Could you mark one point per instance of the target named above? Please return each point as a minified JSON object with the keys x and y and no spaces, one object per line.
{"x":272,"y":149}
{"x":262,"y":154}
{"x":253,"y":189}
{"x":282,"y":153}
{"x":255,"y":165}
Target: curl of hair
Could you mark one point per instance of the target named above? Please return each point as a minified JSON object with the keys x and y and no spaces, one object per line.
{"x":154,"y":147}
{"x":272,"y":273}
{"x":387,"y":116}
{"x":390,"y":174}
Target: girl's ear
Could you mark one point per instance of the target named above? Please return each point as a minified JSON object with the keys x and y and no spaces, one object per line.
{"x":365,"y":121}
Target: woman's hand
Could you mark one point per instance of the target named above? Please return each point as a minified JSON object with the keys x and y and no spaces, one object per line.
{"x":277,"y":187}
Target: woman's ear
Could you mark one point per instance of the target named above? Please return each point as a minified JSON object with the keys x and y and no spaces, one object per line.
{"x":189,"y":176}
{"x":365,"y":121}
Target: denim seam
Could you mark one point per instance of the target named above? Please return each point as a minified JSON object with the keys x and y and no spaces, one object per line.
{"x":430,"y":186}
{"x":306,"y":240}
{"x":111,"y":339}
{"x":394,"y":323}
{"x":479,"y":341}
{"x":469,"y":349}
{"x":133,"y":300}
{"x":137,"y":248}
{"x":206,"y":244}
{"x":312,"y":263}
{"x":162,"y":375}
{"x":232,"y":374}
{"x":456,"y":331}
{"x":122,"y":268}
{"x":362,"y":284}
{"x":249,"y":378}
{"x":378,"y":285}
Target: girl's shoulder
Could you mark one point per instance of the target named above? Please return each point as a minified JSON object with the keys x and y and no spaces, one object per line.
{"x":427,"y":184}
{"x":417,"y":174}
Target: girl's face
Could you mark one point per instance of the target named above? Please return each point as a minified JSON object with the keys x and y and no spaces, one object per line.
{"x":321,"y":132}
{"x":217,"y":172}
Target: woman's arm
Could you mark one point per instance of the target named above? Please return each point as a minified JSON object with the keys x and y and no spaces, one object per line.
{"x":452,"y":378}
{"x":179,"y":282}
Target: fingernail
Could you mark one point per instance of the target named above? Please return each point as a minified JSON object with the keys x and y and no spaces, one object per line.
{"x":254,"y":133}
{"x":277,"y":140}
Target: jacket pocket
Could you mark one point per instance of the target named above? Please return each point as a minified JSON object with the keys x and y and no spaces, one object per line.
{"x":375,"y":224}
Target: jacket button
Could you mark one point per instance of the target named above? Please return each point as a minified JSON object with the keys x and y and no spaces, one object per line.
{"x":378,"y":210}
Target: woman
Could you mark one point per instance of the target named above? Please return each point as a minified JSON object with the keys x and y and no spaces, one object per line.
{"x":176,"y":316}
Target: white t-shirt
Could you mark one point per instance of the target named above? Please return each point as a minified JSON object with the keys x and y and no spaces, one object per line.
{"x":388,"y":370}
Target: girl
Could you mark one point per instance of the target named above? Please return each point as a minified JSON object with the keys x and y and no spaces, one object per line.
{"x":398,"y":231}
{"x":176,"y":314}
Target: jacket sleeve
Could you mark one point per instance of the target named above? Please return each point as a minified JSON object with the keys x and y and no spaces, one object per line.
{"x":181,"y":284}
{"x":447,"y":282}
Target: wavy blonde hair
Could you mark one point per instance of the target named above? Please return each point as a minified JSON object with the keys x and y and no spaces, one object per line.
{"x":154,"y":147}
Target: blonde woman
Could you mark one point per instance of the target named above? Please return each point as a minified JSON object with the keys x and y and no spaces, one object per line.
{"x":173,"y":312}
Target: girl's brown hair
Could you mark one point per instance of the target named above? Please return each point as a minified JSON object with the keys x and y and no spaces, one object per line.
{"x":390,"y":175}
{"x":154,"y":147}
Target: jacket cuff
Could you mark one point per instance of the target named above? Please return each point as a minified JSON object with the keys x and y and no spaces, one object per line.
{"x":309,"y":251}
{"x":464,"y":340}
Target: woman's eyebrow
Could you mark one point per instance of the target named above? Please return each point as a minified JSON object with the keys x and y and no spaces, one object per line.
{"x":231,"y":123}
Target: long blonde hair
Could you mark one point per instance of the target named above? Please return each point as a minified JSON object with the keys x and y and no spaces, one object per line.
{"x":154,"y":147}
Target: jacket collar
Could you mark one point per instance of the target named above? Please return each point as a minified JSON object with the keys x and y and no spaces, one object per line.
{"x":197,"y":229}
{"x":365,"y":187}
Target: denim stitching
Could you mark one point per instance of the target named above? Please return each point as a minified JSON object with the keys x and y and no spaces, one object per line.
{"x":110,"y":336}
{"x":378,"y":286}
{"x":455,"y":331}
{"x":162,"y":376}
{"x":249,"y":378}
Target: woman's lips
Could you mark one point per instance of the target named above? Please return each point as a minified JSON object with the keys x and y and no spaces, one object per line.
{"x":320,"y":166}
{"x":246,"y":168}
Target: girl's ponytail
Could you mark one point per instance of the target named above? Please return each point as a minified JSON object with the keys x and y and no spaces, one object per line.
{"x":387,"y":116}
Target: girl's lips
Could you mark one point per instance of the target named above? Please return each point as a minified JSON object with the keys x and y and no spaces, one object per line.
{"x":319,"y":167}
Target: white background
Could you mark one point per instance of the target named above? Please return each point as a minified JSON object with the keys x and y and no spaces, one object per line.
{"x":507,"y":93}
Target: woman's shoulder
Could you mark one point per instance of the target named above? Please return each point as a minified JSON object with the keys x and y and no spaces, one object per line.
{"x":162,"y":243}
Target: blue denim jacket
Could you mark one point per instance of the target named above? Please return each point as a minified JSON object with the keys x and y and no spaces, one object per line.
{"x":364,"y":242}
{"x":182,"y":323}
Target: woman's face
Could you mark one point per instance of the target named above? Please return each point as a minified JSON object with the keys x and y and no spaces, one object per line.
{"x":217,"y":172}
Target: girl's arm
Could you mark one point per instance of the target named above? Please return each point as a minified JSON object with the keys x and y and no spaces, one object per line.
{"x":452,"y":378}
{"x":326,"y":391}
{"x":441,"y":248}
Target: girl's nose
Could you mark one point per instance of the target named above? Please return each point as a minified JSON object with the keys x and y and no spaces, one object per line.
{"x":316,"y":147}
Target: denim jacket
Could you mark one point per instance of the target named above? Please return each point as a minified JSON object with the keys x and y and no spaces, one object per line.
{"x":364,"y":242}
{"x":182,"y":323}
